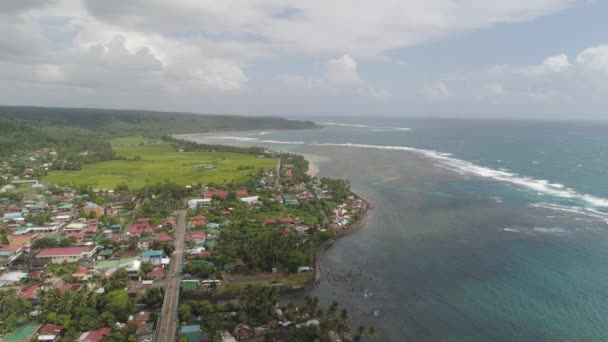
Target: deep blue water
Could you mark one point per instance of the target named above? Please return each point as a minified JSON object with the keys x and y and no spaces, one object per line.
{"x":482,"y":231}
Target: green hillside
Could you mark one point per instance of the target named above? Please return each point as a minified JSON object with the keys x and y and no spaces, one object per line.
{"x":147,"y":123}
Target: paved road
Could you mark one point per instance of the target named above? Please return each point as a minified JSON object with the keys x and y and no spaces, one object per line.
{"x":166,"y":331}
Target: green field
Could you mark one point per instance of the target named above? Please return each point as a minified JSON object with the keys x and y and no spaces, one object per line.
{"x":132,"y":140}
{"x":159,"y":162}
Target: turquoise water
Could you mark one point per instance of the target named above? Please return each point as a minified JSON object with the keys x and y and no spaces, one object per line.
{"x":503,"y":239}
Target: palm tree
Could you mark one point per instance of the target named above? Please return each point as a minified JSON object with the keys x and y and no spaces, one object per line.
{"x":360,"y":333}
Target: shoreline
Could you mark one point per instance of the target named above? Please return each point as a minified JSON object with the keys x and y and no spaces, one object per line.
{"x":326,"y":245}
{"x":313,"y":166}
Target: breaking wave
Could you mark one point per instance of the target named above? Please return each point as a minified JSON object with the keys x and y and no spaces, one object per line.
{"x":233,"y":138}
{"x":257,"y":140}
{"x":467,"y":168}
{"x":374,"y":128}
{"x":282,"y":142}
{"x":573,"y":210}
{"x":550,"y":230}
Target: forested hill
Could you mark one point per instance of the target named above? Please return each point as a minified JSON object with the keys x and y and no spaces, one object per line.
{"x":150,"y":123}
{"x":21,"y":136}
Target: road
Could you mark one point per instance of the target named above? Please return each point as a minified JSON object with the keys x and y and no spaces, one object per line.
{"x":166,"y":331}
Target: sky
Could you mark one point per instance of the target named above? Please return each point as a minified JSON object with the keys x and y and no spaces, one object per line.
{"x":389,"y":58}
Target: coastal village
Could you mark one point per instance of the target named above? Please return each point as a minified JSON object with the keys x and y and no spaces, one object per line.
{"x":83,"y":264}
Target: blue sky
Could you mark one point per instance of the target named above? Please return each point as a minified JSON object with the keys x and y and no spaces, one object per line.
{"x":471,"y":58}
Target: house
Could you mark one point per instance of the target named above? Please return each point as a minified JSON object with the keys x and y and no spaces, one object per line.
{"x":197,"y":203}
{"x":30,"y":293}
{"x":105,"y":254}
{"x":212,"y":225}
{"x":69,"y":287}
{"x":9,"y":253}
{"x":25,"y":333}
{"x":22,"y":239}
{"x":192,"y":332}
{"x":49,"y":333}
{"x":31,"y":229}
{"x":153,"y":257}
{"x":286,"y":221}
{"x":145,"y":332}
{"x":146,"y":242}
{"x":290,"y":200}
{"x":91,"y":208}
{"x":250,"y":199}
{"x":90,"y":233}
{"x":66,"y":254}
{"x":140,"y":317}
{"x":138,"y":228}
{"x":17,"y":217}
{"x":194,"y":223}
{"x":7,"y":188}
{"x":107,"y":267}
{"x":116,"y":227}
{"x":80,"y":273}
{"x":157,"y":273}
{"x":305,"y":269}
{"x":11,"y":278}
{"x":223,"y":193}
{"x":197,"y":237}
{"x":78,"y":236}
{"x":75,"y":227}
{"x":93,"y":221}
{"x":164,"y":237}
{"x":94,"y":335}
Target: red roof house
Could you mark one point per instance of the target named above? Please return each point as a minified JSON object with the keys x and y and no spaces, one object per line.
{"x":61,"y":252}
{"x":164,"y":237}
{"x":49,"y":332}
{"x":286,"y":220}
{"x":197,"y":236}
{"x":69,"y":287}
{"x":30,"y":292}
{"x":94,"y":335}
{"x":223,"y":193}
{"x":157,"y":273}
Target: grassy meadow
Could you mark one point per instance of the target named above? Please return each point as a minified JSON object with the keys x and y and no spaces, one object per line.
{"x":158,"y":161}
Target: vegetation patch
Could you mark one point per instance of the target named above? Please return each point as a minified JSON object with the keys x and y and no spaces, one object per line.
{"x":145,"y":164}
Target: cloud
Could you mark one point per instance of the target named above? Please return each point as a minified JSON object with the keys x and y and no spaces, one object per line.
{"x":553,"y":87}
{"x":340,"y":77}
{"x":594,"y":58}
{"x":225,"y":55}
{"x":319,"y":26}
{"x":557,"y":63}
{"x":342,"y":72}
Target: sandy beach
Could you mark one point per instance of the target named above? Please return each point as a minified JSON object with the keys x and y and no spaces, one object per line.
{"x":313,"y":163}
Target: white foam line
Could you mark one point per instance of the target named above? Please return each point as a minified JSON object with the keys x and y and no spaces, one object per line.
{"x":282,"y":142}
{"x":376,"y":128}
{"x":465,"y":167}
{"x":233,"y":138}
{"x":576,"y":210}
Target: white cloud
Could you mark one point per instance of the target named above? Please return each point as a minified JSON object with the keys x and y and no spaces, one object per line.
{"x":557,"y":63}
{"x":197,"y":55}
{"x":436,"y":90}
{"x":342,"y":72}
{"x":340,"y":77}
{"x":320,"y":26}
{"x":595,"y":58}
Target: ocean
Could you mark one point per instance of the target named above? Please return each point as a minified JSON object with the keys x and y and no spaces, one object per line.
{"x":482,"y":230}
